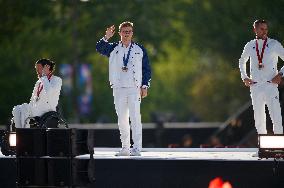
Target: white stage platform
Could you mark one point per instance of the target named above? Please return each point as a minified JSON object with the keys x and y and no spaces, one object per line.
{"x":231,"y":154}
{"x":222,"y":154}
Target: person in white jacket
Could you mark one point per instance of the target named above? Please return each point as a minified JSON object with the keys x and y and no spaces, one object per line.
{"x":129,"y":76}
{"x":44,"y":97}
{"x":263,"y":53}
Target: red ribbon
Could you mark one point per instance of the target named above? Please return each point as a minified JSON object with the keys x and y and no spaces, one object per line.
{"x":260,"y":57}
{"x":40,"y":86}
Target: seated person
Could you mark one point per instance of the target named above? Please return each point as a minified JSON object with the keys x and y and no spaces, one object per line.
{"x":45,"y":95}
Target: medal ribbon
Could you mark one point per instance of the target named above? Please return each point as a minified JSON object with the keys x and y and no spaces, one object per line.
{"x":260,"y":57}
{"x":126,"y":59}
{"x":40,"y":86}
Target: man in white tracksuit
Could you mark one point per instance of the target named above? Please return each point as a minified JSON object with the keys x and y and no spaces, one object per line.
{"x":263,"y":53}
{"x":45,"y":95}
{"x":129,"y":76}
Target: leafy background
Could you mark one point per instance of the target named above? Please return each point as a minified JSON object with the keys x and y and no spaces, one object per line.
{"x":193,"y":45}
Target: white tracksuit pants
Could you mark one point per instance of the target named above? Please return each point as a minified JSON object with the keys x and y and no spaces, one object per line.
{"x":127,"y":104}
{"x":20,"y":115}
{"x":266,"y":94}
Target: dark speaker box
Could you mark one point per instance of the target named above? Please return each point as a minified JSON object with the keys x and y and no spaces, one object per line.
{"x":59,"y":142}
{"x":31,"y":172}
{"x":69,"y":142}
{"x":44,"y":172}
{"x":83,"y":142}
{"x":83,"y":171}
{"x":59,"y":172}
{"x":31,"y":142}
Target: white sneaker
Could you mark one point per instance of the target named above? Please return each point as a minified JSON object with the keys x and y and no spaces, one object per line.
{"x":255,"y":154}
{"x":123,"y":152}
{"x":135,"y":152}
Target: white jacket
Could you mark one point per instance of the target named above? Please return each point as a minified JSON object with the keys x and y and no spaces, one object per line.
{"x":272,"y":51}
{"x":138,"y":58}
{"x":115,"y":64}
{"x":48,"y":98}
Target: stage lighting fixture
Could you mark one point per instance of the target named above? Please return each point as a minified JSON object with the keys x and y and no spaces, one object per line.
{"x":12,"y":139}
{"x":271,"y":146}
{"x":8,"y":143}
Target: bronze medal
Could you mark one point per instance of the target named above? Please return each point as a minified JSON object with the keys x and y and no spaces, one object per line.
{"x":260,"y":56}
{"x":126,"y":59}
{"x":37,"y":99}
{"x":124,"y":69}
{"x":260,"y":66}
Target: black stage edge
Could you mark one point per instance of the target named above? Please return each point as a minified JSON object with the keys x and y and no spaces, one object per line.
{"x":186,"y":173}
{"x":168,"y":173}
{"x":8,"y":172}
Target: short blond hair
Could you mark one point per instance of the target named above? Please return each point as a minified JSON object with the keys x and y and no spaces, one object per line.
{"x":126,"y":24}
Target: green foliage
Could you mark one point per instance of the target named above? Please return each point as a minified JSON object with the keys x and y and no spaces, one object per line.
{"x":217,"y":91}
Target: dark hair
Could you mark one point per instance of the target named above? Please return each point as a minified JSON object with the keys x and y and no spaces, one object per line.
{"x":47,"y":62}
{"x":125,"y":24}
{"x":257,"y":22}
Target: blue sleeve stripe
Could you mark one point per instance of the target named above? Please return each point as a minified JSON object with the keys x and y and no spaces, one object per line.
{"x":146,"y":69}
{"x":105,"y":48}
